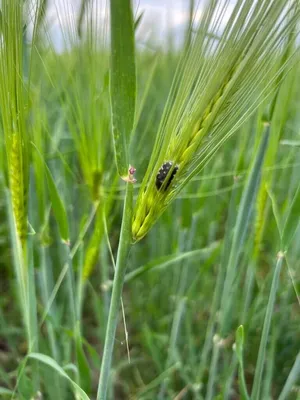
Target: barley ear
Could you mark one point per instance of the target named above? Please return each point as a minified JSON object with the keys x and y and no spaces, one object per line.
{"x":17,"y":186}
{"x":215,"y":89}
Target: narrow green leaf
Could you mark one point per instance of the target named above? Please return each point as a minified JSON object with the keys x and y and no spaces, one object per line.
{"x":242,"y":223}
{"x":121,"y":264}
{"x":292,"y":220}
{"x":239,"y":343}
{"x":122,"y":80}
{"x":275,"y":211}
{"x":255,"y":395}
{"x":138,"y":20}
{"x":291,"y":379}
{"x":57,"y":203}
{"x":166,"y":261}
{"x":58,"y":207}
{"x":83,"y":366}
{"x":54,"y":365}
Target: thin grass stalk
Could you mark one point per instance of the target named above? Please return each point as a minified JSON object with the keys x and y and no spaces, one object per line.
{"x":238,"y":240}
{"x":255,"y":394}
{"x":277,"y":117}
{"x":44,"y":282}
{"x":270,"y":363}
{"x":213,"y":370}
{"x":105,"y":277}
{"x":291,"y":380}
{"x":70,"y":289}
{"x":26,"y":286}
{"x":243,"y":219}
{"x":179,"y":305}
{"x":92,"y":252}
{"x":248,"y":293}
{"x":64,"y":270}
{"x":121,"y":263}
{"x":218,"y":287}
{"x":239,"y":350}
{"x":186,"y":245}
{"x":33,"y":335}
{"x":80,"y":288}
{"x":82,"y":10}
{"x":189,"y":30}
{"x":18,"y":264}
{"x":232,"y":373}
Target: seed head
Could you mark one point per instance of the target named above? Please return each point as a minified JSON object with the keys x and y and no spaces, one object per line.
{"x":17,"y":187}
{"x":216,"y":88}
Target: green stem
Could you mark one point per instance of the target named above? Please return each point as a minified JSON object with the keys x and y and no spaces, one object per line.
{"x":255,"y":395}
{"x":123,"y":251}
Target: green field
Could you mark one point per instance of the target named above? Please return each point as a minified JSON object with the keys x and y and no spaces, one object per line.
{"x":150,"y":203}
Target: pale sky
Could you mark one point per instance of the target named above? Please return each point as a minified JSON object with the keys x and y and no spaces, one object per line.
{"x":159,"y":18}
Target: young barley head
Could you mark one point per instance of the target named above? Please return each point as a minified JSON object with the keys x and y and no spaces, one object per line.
{"x":225,"y":74}
{"x":18,"y":187}
{"x":13,"y":109}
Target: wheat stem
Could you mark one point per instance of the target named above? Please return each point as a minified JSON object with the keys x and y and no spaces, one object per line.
{"x":123,"y":252}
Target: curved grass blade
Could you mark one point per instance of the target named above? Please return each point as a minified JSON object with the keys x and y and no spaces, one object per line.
{"x":168,"y":261}
{"x":57,"y":203}
{"x":54,"y":365}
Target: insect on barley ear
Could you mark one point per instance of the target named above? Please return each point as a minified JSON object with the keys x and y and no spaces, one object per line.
{"x":163,"y":173}
{"x":215,"y":89}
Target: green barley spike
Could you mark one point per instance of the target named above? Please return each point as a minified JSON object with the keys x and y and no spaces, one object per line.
{"x":214,"y":92}
{"x":152,"y":200}
{"x":17,"y":187}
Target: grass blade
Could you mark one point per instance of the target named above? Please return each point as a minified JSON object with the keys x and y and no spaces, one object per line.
{"x":255,"y":395}
{"x":238,"y":241}
{"x":57,"y":203}
{"x":54,"y":365}
{"x":239,"y":342}
{"x":122,"y":80}
{"x":292,"y":220}
{"x":292,"y":378}
{"x":167,"y":261}
{"x":123,"y":252}
{"x":243,"y":218}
